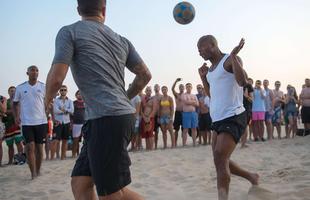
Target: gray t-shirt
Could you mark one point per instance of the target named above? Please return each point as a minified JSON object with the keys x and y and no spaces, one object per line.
{"x":97,"y":57}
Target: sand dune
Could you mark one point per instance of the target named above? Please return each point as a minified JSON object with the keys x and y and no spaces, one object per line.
{"x":182,"y":174}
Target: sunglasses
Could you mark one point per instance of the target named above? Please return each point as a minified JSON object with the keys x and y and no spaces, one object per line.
{"x":63,"y":90}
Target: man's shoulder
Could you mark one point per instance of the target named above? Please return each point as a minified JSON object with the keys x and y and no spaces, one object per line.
{"x":41,"y":84}
{"x":22,"y":85}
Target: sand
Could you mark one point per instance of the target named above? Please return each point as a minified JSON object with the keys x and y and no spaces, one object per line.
{"x":182,"y":174}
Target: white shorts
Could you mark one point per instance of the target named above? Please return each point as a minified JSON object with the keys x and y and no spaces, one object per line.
{"x":76,"y":130}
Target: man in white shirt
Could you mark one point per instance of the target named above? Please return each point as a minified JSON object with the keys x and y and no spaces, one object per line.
{"x":30,"y":113}
{"x":223,"y":83}
{"x":63,"y":107}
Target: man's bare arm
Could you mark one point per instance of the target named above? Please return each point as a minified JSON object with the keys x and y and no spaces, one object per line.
{"x":143,"y":76}
{"x":236,"y":63}
{"x":16,"y":112}
{"x":55,"y":77}
{"x":175,"y":94}
{"x":203,"y":71}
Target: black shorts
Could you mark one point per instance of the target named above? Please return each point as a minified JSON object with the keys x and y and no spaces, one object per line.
{"x":156,"y":124}
{"x":248,"y":116}
{"x":205,"y":122}
{"x":35,"y":133}
{"x":305,"y":114}
{"x":177,"y":123}
{"x":62,"y":131}
{"x":104,"y":154}
{"x":234,"y":125}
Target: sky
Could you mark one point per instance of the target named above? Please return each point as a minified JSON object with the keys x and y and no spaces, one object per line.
{"x":276,"y":32}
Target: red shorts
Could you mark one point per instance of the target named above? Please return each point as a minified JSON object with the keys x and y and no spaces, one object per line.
{"x":11,"y":131}
{"x":147,"y":128}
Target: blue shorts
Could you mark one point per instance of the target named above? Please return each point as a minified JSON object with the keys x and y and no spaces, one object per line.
{"x":291,"y":114}
{"x":190,"y":119}
{"x":268,"y":116}
{"x":165,"y":120}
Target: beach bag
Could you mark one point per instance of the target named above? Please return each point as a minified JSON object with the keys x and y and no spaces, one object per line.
{"x":19,"y":159}
{"x":303,"y":132}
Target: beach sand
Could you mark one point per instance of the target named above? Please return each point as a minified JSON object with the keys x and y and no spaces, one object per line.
{"x":181,"y":174}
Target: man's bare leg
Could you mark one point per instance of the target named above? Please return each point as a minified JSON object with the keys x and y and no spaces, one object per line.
{"x":156,"y":139}
{"x":244,"y":138}
{"x":184,"y":136}
{"x":223,"y":146}
{"x":194,"y":135}
{"x":39,"y":157}
{"x":10,"y":153}
{"x":30,"y":153}
{"x":58,"y":149}
{"x":236,"y":170}
{"x":278,"y":127}
{"x":176,"y":136}
{"x":63,"y":149}
{"x":269,"y":129}
{"x":123,"y":194}
{"x":83,"y":188}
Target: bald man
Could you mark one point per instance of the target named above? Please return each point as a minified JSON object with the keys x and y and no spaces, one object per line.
{"x":223,"y":83}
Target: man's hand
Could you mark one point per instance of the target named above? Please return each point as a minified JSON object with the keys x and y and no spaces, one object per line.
{"x":178,"y":80}
{"x":203,"y":70}
{"x":48,"y":106}
{"x":236,"y":50}
{"x":17,"y":121}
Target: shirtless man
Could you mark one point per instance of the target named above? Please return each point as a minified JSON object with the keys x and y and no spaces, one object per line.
{"x":278,"y":101}
{"x":205,"y":119}
{"x":148,"y":108}
{"x":177,"y":123}
{"x":269,"y":103}
{"x":157,"y":98}
{"x":189,"y":115}
{"x":166,"y":110}
{"x":223,"y":83}
{"x":305,"y":102}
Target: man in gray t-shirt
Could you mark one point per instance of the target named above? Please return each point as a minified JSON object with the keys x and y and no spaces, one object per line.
{"x":97,"y":57}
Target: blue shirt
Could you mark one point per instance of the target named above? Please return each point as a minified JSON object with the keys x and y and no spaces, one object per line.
{"x":259,"y":101}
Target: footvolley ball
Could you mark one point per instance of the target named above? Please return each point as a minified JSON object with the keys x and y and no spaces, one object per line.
{"x":184,"y":13}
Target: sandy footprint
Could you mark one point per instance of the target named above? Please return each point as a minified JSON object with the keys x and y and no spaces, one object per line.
{"x":259,"y":193}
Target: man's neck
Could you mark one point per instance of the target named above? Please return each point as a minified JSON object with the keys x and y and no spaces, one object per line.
{"x":94,"y":18}
{"x":32,"y":82}
{"x":63,"y":97}
{"x":216,"y":58}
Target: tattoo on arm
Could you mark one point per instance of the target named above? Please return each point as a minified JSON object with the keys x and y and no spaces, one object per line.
{"x":143,"y":76}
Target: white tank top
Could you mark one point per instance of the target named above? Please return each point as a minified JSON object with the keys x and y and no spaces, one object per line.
{"x":226,"y":95}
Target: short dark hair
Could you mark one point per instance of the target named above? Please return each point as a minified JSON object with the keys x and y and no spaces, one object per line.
{"x":30,"y":67}
{"x":77,"y":92}
{"x":90,"y":7}
{"x":11,"y":87}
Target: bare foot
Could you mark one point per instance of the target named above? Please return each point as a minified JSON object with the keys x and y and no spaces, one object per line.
{"x":244,"y":146}
{"x":254,"y":178}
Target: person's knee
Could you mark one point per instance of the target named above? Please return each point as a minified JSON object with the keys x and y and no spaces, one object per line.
{"x":219,"y":160}
{"x":30,"y":147}
{"x":81,"y":185}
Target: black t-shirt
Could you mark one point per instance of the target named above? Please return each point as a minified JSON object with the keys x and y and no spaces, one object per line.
{"x":79,"y":112}
{"x":246,"y":103}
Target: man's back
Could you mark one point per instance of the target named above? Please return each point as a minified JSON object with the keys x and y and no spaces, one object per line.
{"x":97,"y":57}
